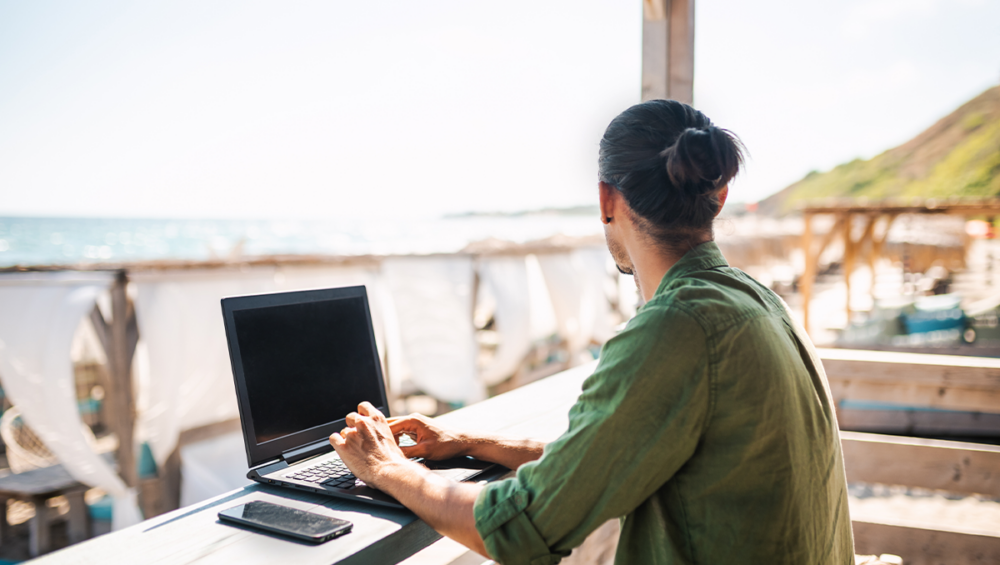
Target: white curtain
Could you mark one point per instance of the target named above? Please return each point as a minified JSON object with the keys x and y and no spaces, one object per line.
{"x":432,"y":300}
{"x":39,"y":314}
{"x":578,"y":285}
{"x":186,"y":378}
{"x":506,"y":280}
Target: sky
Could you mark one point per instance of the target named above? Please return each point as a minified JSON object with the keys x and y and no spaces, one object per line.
{"x":324,"y":109}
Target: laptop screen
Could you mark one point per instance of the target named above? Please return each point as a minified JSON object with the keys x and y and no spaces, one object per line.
{"x":306,"y":364}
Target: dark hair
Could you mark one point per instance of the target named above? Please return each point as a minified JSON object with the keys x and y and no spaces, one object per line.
{"x":670,"y":163}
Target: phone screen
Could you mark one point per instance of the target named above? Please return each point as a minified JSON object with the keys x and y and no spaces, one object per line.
{"x":285,"y":520}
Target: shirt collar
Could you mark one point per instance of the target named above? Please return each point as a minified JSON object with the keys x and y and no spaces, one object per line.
{"x":701,"y":258}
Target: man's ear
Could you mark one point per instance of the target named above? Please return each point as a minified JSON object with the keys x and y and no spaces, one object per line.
{"x":609,"y":201}
{"x":723,"y":194}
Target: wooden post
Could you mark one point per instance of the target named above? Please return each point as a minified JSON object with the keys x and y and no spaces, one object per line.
{"x":668,"y":50}
{"x":849,"y":251}
{"x":39,"y":532}
{"x":809,"y":272}
{"x":119,"y":339}
{"x":812,"y":261}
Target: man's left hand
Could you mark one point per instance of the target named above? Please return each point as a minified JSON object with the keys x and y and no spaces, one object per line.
{"x":366,"y":445}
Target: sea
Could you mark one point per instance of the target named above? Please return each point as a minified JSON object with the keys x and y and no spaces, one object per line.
{"x":36,"y":241}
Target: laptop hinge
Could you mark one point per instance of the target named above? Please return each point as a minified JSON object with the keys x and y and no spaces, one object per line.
{"x":298,"y":454}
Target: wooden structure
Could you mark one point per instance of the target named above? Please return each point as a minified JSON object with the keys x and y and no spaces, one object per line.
{"x":119,"y":338}
{"x":37,"y":487}
{"x":540,"y":410}
{"x":876,"y":219}
{"x":668,"y":50}
{"x":949,"y":382}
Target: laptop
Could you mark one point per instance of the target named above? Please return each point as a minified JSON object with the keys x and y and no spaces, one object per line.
{"x":302,"y":361}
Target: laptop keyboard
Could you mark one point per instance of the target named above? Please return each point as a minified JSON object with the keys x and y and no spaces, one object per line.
{"x":332,"y":473}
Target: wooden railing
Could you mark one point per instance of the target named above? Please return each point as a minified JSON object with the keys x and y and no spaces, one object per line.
{"x":919,"y":380}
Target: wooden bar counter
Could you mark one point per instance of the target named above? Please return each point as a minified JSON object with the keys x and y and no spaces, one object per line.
{"x":380,"y":535}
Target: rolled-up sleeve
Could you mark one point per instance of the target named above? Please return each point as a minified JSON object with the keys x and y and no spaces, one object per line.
{"x":637,"y":421}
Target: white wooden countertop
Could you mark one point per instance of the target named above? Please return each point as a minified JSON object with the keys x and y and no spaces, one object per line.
{"x":380,"y":536}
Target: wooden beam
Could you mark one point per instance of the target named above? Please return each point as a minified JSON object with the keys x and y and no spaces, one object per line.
{"x":959,"y":207}
{"x":119,"y":338}
{"x":926,"y":546}
{"x":668,"y":50}
{"x":954,"y":466}
{"x":938,"y":381}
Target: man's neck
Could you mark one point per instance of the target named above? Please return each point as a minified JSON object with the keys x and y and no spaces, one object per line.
{"x":649,"y":267}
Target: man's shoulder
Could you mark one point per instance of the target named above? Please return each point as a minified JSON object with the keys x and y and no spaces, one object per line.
{"x":715,"y":299}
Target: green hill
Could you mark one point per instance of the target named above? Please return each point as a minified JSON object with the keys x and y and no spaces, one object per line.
{"x":959,"y":156}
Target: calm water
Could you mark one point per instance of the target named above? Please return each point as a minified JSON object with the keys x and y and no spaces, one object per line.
{"x":64,"y":241}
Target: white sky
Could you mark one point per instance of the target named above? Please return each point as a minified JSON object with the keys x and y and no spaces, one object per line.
{"x":234,"y":108}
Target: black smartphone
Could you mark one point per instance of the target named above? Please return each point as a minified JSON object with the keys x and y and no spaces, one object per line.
{"x":292,"y":522}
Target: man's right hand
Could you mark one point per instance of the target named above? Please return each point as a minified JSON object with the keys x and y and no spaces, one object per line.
{"x":432,"y":441}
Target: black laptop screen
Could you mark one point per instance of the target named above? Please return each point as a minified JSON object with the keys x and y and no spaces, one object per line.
{"x":307,"y":364}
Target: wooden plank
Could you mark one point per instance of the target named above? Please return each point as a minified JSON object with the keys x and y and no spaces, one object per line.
{"x":918,"y":422}
{"x":45,"y":482}
{"x":954,"y":466}
{"x":940,"y":381}
{"x":944,"y":396}
{"x":668,"y":50}
{"x":959,"y":206}
{"x":927,"y":546}
{"x":976,"y":372}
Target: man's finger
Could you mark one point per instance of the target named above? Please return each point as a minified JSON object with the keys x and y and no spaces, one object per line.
{"x":351,"y":419}
{"x":366,"y":427}
{"x":367,"y":409}
{"x":405,"y":424}
{"x":336,"y":440}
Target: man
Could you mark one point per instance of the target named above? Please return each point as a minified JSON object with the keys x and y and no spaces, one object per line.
{"x":707,"y":427}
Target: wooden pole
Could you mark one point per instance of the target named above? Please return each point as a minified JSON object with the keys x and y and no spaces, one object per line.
{"x":849,"y":253}
{"x":809,"y":272}
{"x":668,"y":50}
{"x":812,"y":260}
{"x":119,"y":339}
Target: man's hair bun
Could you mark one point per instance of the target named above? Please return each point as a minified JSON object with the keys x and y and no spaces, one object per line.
{"x":697,"y":163}
{"x":670,"y":162}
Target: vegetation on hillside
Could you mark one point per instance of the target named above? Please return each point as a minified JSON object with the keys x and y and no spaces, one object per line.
{"x":959,"y":156}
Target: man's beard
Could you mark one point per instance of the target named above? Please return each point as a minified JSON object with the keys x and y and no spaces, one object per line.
{"x":622,"y":260}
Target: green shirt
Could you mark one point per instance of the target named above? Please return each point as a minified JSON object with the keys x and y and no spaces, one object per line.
{"x":707,"y":428}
